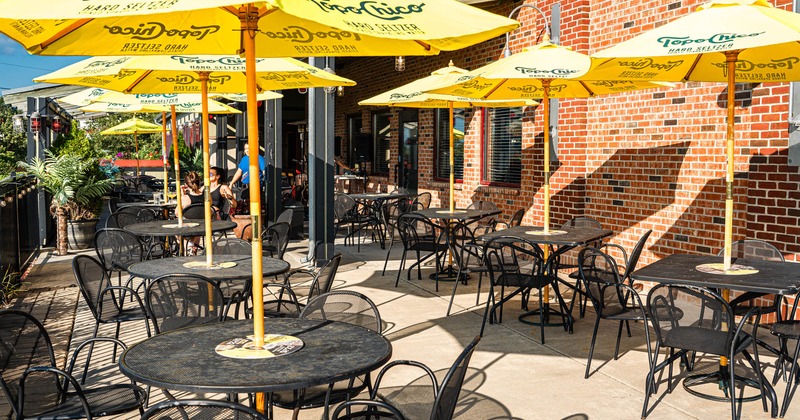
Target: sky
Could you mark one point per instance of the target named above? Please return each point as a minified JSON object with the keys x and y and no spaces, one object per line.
{"x":18,"y":68}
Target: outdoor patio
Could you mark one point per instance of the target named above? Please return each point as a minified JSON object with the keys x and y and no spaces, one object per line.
{"x":511,"y":376}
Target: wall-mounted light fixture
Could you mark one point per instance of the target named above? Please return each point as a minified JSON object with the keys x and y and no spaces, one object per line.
{"x":340,"y":91}
{"x":329,"y":89}
{"x":36,"y":122}
{"x":399,"y":63}
{"x":18,"y":122}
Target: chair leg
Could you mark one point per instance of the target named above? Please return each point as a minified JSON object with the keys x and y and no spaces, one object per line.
{"x":791,"y":384}
{"x":89,"y":354}
{"x":419,"y":268}
{"x":385,"y":263}
{"x":400,"y":269}
{"x":478,"y":294}
{"x":591,"y":347}
{"x":452,"y":295}
{"x":619,"y":336}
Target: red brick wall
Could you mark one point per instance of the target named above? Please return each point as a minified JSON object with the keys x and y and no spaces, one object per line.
{"x":643,"y":160}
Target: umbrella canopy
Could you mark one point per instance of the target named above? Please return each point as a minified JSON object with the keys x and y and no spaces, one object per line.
{"x":133,"y":126}
{"x":278,"y":28}
{"x":543,"y":71}
{"x":722,"y":41}
{"x":289,"y":28}
{"x":240,"y":97}
{"x":182,"y":74}
{"x":412,"y":95}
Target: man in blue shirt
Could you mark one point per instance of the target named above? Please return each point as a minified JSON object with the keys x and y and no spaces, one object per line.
{"x":243,"y":169}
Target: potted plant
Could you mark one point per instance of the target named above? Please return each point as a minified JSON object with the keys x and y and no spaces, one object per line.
{"x":77,"y":185}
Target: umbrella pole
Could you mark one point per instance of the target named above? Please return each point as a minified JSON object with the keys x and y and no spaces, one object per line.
{"x":136,"y":143}
{"x":177,"y":163}
{"x":452,"y":160}
{"x":730,"y":59}
{"x":164,"y":156}
{"x":249,"y":18}
{"x":203,"y":75}
{"x":546,"y":118}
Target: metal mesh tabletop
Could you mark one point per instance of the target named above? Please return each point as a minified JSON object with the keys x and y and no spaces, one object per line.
{"x":570,"y":237}
{"x":185,"y":359}
{"x":243,"y":269}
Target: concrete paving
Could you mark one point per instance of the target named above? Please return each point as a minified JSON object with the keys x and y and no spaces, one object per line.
{"x":512,"y":375}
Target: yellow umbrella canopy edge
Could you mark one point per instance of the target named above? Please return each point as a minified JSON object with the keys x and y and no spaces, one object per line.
{"x":692,"y":47}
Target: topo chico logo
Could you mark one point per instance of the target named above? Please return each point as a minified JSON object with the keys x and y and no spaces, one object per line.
{"x":649,"y":63}
{"x":107,"y":64}
{"x":401,"y":96}
{"x":226,"y":61}
{"x":188,"y":79}
{"x":673,"y":41}
{"x":282,"y":77}
{"x":535,"y":89}
{"x":154,"y":30}
{"x":745,"y":66}
{"x":304,"y":36}
{"x":530,"y":71}
{"x":371,"y":8}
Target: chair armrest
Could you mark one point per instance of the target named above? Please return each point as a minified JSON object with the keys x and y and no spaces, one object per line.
{"x":292,"y":297}
{"x":138,"y":300}
{"x":367,"y":404}
{"x":91,"y":342}
{"x":620,"y":248}
{"x":290,"y":273}
{"x":754,"y":311}
{"x":411,"y":363}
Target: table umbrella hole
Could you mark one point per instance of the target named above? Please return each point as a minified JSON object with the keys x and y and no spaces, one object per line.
{"x":719,"y":268}
{"x":274,"y":345}
{"x":201,"y":265}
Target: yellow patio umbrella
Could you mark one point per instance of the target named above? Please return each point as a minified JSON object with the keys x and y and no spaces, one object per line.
{"x":412,"y":95}
{"x":169,"y":78}
{"x":133,"y":126}
{"x":279,"y":28}
{"x":182,"y":103}
{"x":745,"y":41}
{"x":542,"y":72}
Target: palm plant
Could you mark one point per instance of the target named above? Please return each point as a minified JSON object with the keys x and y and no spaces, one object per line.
{"x":76,"y":185}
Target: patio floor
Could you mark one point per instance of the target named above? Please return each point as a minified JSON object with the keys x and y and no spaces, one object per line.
{"x":511,"y":376}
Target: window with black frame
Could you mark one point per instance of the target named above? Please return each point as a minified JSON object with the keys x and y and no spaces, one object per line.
{"x":382,"y":124}
{"x":502,"y":148}
{"x":443,"y":143}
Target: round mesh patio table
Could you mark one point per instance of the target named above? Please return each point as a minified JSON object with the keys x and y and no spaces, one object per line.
{"x":191,"y":227}
{"x":185,"y":359}
{"x":242,"y":270}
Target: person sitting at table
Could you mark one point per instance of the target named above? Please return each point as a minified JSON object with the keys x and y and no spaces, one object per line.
{"x":191,"y":193}
{"x":220,"y":193}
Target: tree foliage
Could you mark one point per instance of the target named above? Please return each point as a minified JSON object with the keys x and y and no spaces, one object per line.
{"x":149,"y":144}
{"x":13,"y":145}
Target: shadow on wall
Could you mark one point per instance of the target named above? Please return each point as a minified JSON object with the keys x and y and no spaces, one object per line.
{"x":630,"y":186}
{"x":765,"y":207}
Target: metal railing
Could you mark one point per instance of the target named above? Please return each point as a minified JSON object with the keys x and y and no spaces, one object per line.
{"x":19,"y":224}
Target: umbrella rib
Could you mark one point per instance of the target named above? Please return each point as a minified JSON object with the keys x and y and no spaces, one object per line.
{"x":137,"y":81}
{"x":62,"y":33}
{"x":691,"y":69}
{"x":497,"y":86}
{"x":591,"y":92}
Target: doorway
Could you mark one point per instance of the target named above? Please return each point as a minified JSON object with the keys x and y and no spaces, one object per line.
{"x":408,"y":156}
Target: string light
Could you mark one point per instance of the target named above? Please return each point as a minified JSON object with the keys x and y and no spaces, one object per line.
{"x":399,"y":63}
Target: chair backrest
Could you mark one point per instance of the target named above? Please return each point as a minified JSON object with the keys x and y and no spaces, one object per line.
{"x":582,"y":222}
{"x":635,"y":254}
{"x":285,"y":216}
{"x":446,"y":399}
{"x":415,"y":229}
{"x":601,"y":280}
{"x":276,"y":239}
{"x":195,"y":211}
{"x":503,"y":254}
{"x":323,"y":281}
{"x":391,"y":212}
{"x":516,"y":218}
{"x":344,"y":206}
{"x":24,"y":342}
{"x":92,"y":279}
{"x":423,"y":199}
{"x":180,"y":300}
{"x":117,"y":249}
{"x":232,"y":246}
{"x":201,"y":409}
{"x":344,"y":306}
{"x":754,"y":249}
{"x":485,"y":205}
{"x":691,"y":318}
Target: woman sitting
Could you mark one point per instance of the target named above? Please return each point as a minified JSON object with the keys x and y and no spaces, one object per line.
{"x":191,"y":193}
{"x":221,"y":194}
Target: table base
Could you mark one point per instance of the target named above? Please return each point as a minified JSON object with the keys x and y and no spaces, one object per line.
{"x":565,"y":319}
{"x":720,"y":378}
{"x":449,"y":274}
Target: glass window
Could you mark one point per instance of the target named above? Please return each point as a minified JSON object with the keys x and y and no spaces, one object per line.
{"x":383,"y":133}
{"x":443,"y":143}
{"x":502,"y":148}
